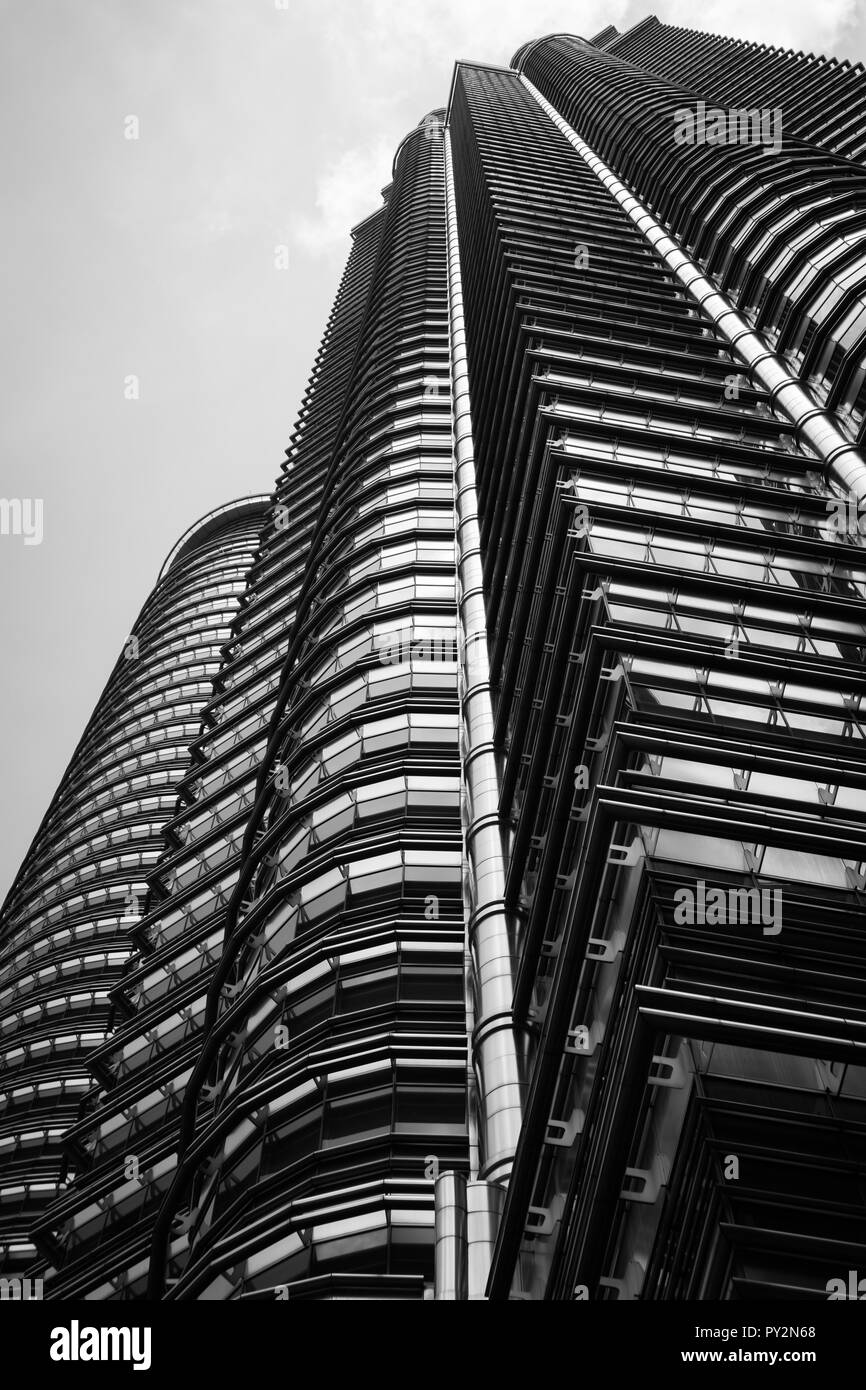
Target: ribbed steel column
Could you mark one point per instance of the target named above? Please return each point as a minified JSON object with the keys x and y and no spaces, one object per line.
{"x":842,"y":462}
{"x":484,"y":1205}
{"x":450,"y":1235}
{"x":494,"y":1045}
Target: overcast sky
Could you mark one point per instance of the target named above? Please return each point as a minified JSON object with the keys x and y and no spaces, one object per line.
{"x":261,"y":124}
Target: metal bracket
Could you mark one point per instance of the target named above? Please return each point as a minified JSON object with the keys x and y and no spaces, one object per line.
{"x":598,"y":948}
{"x":539,"y":1221}
{"x":563,"y":1133}
{"x":671,"y":1073}
{"x":626,"y":855}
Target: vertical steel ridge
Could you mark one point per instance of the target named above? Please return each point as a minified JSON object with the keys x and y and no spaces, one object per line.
{"x":485,"y":1203}
{"x":841,"y":461}
{"x":450,"y":1284}
{"x":520,"y":57}
{"x":494,"y":1045}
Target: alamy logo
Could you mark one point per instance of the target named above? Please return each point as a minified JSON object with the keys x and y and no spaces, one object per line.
{"x":847,"y":516}
{"x":22,"y":516}
{"x":403,"y":645}
{"x":711,"y":125}
{"x":76,"y":1343}
{"x":855,"y":1287}
{"x":20,"y":1289}
{"x":714,"y":907}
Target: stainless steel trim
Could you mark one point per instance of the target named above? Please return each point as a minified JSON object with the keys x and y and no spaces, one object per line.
{"x":450,"y":1237}
{"x":484,"y":1205}
{"x":495,"y":1051}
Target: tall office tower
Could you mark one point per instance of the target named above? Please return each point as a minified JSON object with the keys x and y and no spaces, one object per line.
{"x":290,"y":1069}
{"x":540,"y":723}
{"x":332,"y":1082}
{"x":676,"y":649}
{"x":66,"y":929}
{"x":99,"y":1235}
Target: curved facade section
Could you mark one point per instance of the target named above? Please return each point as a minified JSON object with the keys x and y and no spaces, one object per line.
{"x":332,"y":1087}
{"x":775,"y":217}
{"x":103,"y":1230}
{"x":526,"y":50}
{"x":211,"y":525}
{"x":823,"y":99}
{"x":67,"y":926}
{"x":841,"y":462}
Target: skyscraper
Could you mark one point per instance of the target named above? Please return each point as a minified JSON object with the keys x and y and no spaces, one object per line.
{"x":668,"y":507}
{"x":507,"y":935}
{"x":67,"y":926}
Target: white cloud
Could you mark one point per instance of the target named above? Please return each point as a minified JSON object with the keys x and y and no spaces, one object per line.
{"x":436,"y":30}
{"x":259,"y":126}
{"x":382,"y":61}
{"x":346,"y":192}
{"x":378,"y":46}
